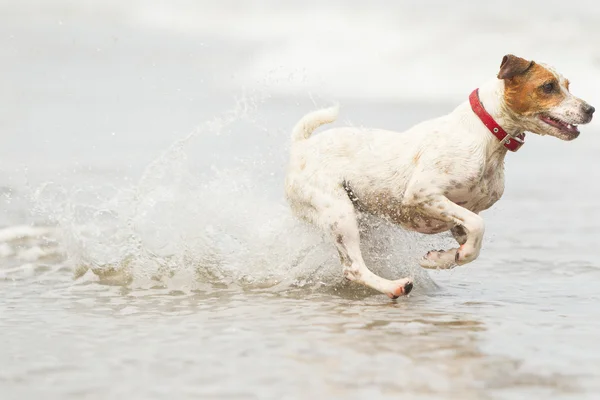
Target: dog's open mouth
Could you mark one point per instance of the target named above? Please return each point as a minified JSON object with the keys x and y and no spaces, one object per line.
{"x":569,"y":129}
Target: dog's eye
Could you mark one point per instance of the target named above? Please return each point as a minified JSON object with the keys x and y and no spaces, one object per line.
{"x":548,"y":87}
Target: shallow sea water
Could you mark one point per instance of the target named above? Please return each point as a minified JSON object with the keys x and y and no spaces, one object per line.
{"x":146,"y":251}
{"x":509,"y":327}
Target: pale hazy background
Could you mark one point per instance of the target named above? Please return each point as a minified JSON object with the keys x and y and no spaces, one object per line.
{"x":83,"y":76}
{"x":146,"y":251}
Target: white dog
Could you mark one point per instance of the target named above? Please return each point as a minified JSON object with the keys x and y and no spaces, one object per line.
{"x":437,"y":176}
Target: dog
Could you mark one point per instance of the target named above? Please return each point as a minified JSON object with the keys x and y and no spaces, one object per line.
{"x":435,"y":177}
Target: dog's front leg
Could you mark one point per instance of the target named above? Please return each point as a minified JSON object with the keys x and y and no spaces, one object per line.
{"x":459,"y":234}
{"x":468,"y":232}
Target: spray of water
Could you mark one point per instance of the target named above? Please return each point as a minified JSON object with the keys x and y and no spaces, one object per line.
{"x":222,"y":223}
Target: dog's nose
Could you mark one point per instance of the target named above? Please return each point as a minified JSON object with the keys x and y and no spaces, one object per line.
{"x":589,"y":110}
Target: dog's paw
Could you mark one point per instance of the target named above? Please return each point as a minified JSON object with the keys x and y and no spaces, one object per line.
{"x":439,"y":259}
{"x":466,"y":254}
{"x":401,"y":287}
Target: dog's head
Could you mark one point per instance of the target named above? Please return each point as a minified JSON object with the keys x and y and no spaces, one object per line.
{"x":538,"y":99}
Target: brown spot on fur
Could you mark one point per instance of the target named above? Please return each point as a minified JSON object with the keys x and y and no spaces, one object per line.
{"x":460,"y":234}
{"x":345,"y":260}
{"x":416,"y":158}
{"x":343,"y":252}
{"x":524,"y":93}
{"x":444,"y":166}
{"x":460,"y":230}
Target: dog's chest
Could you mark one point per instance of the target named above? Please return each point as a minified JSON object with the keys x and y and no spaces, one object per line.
{"x":480,"y":192}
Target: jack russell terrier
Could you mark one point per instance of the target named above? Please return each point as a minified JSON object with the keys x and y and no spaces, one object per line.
{"x":437,"y":176}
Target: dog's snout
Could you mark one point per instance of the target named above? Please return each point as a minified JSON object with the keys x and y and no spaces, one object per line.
{"x":589,"y":110}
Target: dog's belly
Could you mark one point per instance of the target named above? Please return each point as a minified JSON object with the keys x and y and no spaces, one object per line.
{"x":413,"y":218}
{"x":409,"y":218}
{"x":475,"y":204}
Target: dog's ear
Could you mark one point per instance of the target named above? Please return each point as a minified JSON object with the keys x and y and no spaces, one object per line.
{"x":512,"y":66}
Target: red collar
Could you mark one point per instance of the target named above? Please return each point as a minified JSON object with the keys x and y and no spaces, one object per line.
{"x":512,"y":143}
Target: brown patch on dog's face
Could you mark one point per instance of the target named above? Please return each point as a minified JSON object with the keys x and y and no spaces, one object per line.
{"x":535,"y":91}
{"x":539,"y":101}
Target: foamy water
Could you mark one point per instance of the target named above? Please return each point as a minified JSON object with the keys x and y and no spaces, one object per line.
{"x":146,"y":250}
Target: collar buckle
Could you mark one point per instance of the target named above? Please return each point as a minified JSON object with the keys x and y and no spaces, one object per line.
{"x":512,"y":143}
{"x":519,"y":139}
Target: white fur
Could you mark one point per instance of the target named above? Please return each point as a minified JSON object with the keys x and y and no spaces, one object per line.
{"x":434,"y":177}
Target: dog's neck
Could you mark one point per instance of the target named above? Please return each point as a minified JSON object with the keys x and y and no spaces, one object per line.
{"x":491,"y":95}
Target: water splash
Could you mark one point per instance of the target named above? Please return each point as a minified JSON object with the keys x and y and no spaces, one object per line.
{"x":223,"y":223}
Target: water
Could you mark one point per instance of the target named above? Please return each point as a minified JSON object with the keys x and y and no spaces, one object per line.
{"x":146,"y":250}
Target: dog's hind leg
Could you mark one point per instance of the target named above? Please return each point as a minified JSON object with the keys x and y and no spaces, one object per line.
{"x":335,"y":213}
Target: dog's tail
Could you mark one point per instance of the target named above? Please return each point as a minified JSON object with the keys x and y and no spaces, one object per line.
{"x":311,"y":121}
